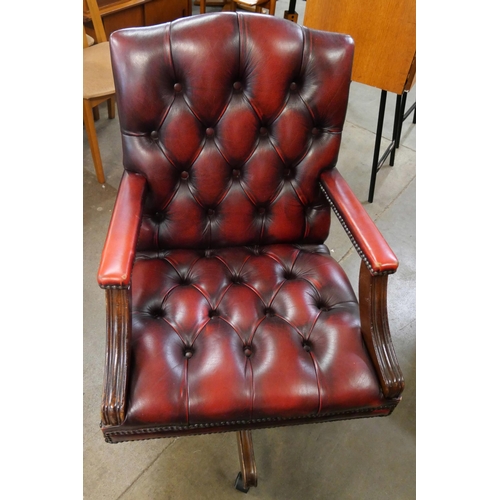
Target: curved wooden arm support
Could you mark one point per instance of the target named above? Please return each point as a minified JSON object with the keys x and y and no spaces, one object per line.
{"x":117,"y":356}
{"x":378,"y":261}
{"x":375,"y":329}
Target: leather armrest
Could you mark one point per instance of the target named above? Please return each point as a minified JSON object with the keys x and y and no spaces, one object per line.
{"x":365,"y":235}
{"x":119,"y":248}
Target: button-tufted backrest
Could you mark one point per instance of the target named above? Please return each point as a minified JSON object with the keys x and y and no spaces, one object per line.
{"x":231,"y":117}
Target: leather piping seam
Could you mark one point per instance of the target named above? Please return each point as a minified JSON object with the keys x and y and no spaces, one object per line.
{"x":364,"y":258}
{"x":152,"y":430}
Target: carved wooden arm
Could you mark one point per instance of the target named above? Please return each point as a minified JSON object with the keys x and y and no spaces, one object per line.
{"x":115,"y":276}
{"x":378,"y":261}
{"x":117,"y":356}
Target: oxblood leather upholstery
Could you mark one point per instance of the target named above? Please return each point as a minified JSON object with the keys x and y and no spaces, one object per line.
{"x":245,"y":333}
{"x":240,"y":317}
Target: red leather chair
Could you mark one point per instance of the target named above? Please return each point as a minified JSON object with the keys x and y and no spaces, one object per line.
{"x":226,"y":311}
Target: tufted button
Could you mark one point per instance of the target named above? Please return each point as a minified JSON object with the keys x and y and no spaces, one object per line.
{"x":184,"y":280}
{"x":210,"y":132}
{"x":247,"y":351}
{"x":209,"y":253}
{"x":293,"y":86}
{"x":154,"y":135}
{"x":315,"y":131}
{"x":268,"y":311}
{"x":212,"y":313}
{"x":210,"y":212}
{"x":158,"y":217}
{"x":309,"y":211}
{"x":188,"y":353}
{"x":287,"y":173}
{"x":306,"y":345}
{"x":177,"y":87}
{"x":263,"y":131}
{"x":237,"y":86}
{"x":262,"y":211}
{"x":157,"y":312}
{"x":236,"y":172}
{"x":184,"y":175}
{"x":322,"y":305}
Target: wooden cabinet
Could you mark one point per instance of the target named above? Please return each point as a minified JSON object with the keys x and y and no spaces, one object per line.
{"x":384,"y":33}
{"x":117,"y":14}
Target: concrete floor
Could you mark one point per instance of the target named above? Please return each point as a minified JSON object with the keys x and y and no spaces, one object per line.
{"x":367,"y":459}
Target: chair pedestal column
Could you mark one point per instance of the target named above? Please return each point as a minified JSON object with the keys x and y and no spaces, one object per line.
{"x":247,"y":477}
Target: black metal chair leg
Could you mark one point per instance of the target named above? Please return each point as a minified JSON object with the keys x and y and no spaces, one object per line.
{"x":402,"y":118}
{"x":399,"y":117}
{"x":378,"y":138}
{"x":396,"y":127}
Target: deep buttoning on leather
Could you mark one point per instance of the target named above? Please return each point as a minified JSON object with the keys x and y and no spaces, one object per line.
{"x":306,"y":345}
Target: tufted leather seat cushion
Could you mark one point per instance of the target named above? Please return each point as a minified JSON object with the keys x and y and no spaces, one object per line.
{"x":241,"y":334}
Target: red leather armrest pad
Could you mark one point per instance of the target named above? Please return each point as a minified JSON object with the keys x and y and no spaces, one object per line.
{"x":119,"y":248}
{"x":362,"y":228}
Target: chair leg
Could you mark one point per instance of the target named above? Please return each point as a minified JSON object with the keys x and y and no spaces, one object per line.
{"x":378,"y":138}
{"x":88,"y":120}
{"x":111,"y":107}
{"x":95,"y":113}
{"x":271,"y":5}
{"x":247,"y":477}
